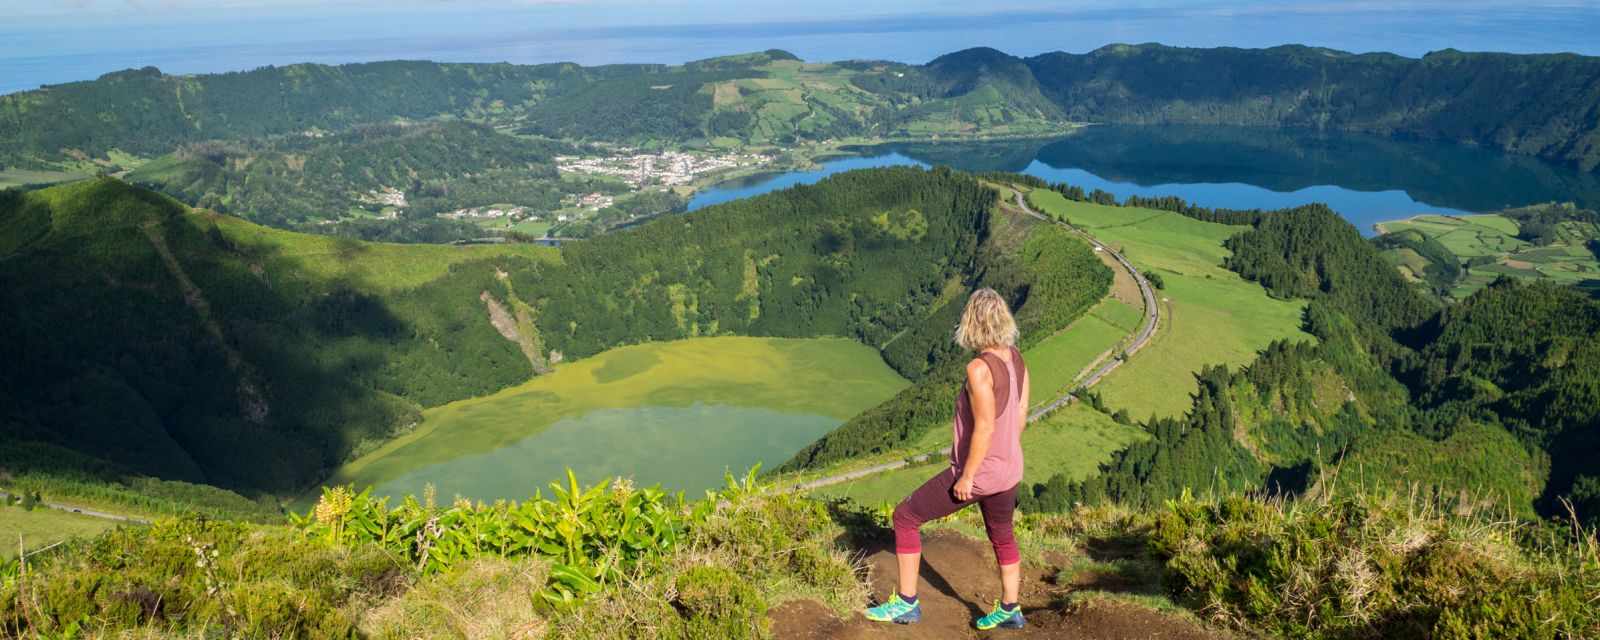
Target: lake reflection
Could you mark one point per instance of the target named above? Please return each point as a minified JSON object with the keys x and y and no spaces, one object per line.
{"x":1368,"y":179}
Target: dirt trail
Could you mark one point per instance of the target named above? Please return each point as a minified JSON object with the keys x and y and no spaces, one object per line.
{"x":959,"y":584}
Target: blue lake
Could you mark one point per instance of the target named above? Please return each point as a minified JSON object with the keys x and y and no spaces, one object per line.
{"x":759,"y":184}
{"x":1367,"y":179}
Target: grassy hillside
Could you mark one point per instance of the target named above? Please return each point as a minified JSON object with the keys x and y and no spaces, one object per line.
{"x":34,"y":529}
{"x":1211,"y":315}
{"x":1056,"y":363}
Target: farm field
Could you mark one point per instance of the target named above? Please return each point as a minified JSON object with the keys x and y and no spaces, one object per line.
{"x":1209,"y":315}
{"x":679,"y":413}
{"x":783,"y":101}
{"x":42,"y":527}
{"x":1074,"y":440}
{"x":1055,"y":363}
{"x":1488,"y":247}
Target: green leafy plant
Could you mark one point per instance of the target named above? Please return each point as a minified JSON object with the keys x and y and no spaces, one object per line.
{"x":591,"y":536}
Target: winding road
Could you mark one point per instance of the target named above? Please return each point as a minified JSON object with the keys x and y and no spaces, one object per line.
{"x":82,"y":511}
{"x":1141,"y":337}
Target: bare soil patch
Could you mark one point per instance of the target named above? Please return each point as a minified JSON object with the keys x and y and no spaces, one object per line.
{"x":959,"y":584}
{"x":1123,"y":286}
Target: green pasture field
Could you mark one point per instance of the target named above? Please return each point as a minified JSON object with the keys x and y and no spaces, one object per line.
{"x":1492,"y":237}
{"x":42,"y":527}
{"x":1074,"y":440}
{"x":1054,"y":364}
{"x":534,"y":227}
{"x":1466,"y":236}
{"x":1209,"y":315}
{"x":832,"y":377}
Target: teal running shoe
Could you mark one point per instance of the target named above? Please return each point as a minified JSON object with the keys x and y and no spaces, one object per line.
{"x":896,"y":610}
{"x":1001,"y":619}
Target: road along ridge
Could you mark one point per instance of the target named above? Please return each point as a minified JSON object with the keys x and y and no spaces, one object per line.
{"x":82,"y":511}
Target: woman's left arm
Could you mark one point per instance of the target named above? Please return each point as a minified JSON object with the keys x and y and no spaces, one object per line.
{"x":1025,"y":401}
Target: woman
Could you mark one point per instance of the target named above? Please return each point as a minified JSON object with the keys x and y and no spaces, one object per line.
{"x":985,"y":463}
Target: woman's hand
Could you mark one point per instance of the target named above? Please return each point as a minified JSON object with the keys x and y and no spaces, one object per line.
{"x":963,"y":489}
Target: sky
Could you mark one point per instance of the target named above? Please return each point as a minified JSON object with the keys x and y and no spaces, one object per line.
{"x":49,"y":41}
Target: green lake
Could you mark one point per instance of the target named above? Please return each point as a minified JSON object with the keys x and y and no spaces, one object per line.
{"x":685,"y":448}
{"x":679,"y":414}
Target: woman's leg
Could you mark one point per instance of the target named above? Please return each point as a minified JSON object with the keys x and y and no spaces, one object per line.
{"x":998,"y":511}
{"x":931,"y":501}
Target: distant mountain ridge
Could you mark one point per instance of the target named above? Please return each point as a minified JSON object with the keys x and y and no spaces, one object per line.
{"x":1544,"y":105}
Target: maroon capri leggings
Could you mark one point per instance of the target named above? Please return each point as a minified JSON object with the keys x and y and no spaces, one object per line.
{"x":934,"y":500}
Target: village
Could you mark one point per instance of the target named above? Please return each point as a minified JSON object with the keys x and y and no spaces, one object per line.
{"x":639,"y":170}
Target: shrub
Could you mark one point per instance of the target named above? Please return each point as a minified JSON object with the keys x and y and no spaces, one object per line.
{"x":746,"y":549}
{"x":718,"y":603}
{"x":1375,"y":566}
{"x":226,"y":578}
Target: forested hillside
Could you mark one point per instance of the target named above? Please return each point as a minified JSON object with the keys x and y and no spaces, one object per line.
{"x":292,"y":180}
{"x":1525,"y":356}
{"x":148,"y":113}
{"x":1539,"y":105}
{"x":198,"y":347}
{"x":1050,"y":276}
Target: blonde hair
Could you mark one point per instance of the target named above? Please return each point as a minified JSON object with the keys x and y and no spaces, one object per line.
{"x":987,"y":322}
